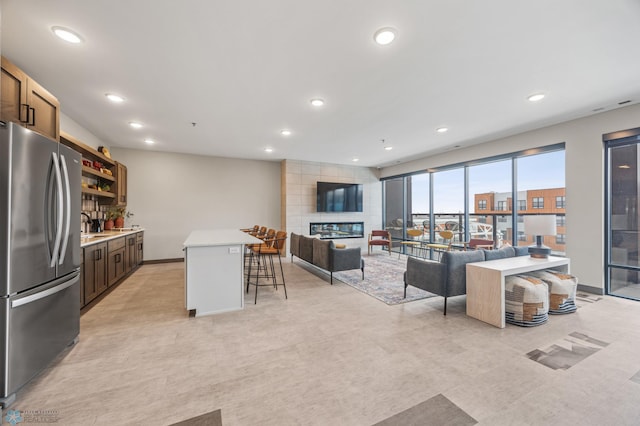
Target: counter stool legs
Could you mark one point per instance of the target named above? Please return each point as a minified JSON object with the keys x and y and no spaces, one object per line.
{"x":264,"y":264}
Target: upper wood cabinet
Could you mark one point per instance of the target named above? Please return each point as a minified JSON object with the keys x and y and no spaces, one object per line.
{"x":26,"y":102}
{"x":121,"y":185}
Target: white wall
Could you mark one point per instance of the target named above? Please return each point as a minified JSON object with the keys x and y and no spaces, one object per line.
{"x":77,"y":131}
{"x":299,"y":180}
{"x":174,"y":194}
{"x":584,"y":179}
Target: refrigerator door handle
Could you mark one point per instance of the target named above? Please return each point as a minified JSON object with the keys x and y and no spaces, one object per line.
{"x":66,"y":283}
{"x":56,"y":244}
{"x":67,"y":210}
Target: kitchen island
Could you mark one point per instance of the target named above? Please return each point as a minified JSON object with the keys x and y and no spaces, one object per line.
{"x":214,"y":270}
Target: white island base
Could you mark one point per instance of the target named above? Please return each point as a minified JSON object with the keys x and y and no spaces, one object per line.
{"x":214,"y":270}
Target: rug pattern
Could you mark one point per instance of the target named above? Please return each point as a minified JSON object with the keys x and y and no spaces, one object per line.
{"x":383,"y":279}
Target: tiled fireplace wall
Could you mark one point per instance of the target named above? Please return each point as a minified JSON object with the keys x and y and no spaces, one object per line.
{"x":298,"y":197}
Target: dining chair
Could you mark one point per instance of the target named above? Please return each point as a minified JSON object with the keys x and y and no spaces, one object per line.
{"x":411,"y":241}
{"x":379,"y":237}
{"x":478,"y":244}
{"x":444,"y":245}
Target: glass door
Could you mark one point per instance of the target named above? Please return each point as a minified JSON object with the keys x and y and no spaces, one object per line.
{"x":623,"y":196}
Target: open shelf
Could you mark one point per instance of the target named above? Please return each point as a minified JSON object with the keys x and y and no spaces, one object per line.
{"x":98,"y":174}
{"x":97,"y":193}
{"x":85,"y":150}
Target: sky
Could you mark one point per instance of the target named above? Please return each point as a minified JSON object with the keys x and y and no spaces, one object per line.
{"x":534,"y":172}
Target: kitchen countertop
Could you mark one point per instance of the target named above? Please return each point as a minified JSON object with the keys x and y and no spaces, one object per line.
{"x":99,"y":237}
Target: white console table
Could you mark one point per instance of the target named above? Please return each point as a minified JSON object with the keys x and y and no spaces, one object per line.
{"x":214,"y":270}
{"x":485,"y":284}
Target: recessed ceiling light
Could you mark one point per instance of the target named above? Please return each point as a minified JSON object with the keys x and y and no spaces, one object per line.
{"x":384,"y":36}
{"x":442,"y":129}
{"x":355,"y":160}
{"x":535,"y":98}
{"x":285,"y":132}
{"x":67,"y":35}
{"x":114,"y":98}
{"x":135,"y":124}
{"x":149,"y":141}
{"x":317,"y":102}
{"x":388,"y":148}
{"x":268,"y":149}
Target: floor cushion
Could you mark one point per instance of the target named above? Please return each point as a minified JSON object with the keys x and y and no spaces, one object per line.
{"x":562,"y":290}
{"x":526,"y":300}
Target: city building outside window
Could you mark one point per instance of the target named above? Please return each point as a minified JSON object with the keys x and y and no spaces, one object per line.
{"x":560,"y":202}
{"x":502,"y":205}
{"x":482,"y":205}
{"x":522,"y":205}
{"x":560,"y":239}
{"x":537,"y":203}
{"x":560,"y":220}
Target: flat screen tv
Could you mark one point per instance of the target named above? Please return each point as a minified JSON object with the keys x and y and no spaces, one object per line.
{"x":339,"y":197}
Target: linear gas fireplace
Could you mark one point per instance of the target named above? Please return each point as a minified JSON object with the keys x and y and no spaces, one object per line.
{"x":335,"y":230}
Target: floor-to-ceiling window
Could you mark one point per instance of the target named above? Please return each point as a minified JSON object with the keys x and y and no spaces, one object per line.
{"x":541,"y":191}
{"x":623,"y":198}
{"x":417,"y":207}
{"x":448,"y":203}
{"x":394,"y":207}
{"x":490,"y":201}
{"x":485,"y":198}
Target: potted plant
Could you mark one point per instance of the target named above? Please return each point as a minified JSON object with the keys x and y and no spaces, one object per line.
{"x":110,"y":216}
{"x":116,"y":215}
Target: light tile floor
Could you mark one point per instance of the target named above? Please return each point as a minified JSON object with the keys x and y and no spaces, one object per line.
{"x":330,"y":355}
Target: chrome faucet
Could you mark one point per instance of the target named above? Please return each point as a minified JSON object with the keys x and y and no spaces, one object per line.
{"x":88,"y":217}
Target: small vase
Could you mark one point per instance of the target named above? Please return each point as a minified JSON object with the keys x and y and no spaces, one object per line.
{"x":119,"y":222}
{"x":108,"y":225}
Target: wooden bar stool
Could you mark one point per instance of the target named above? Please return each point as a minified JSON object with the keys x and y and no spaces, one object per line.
{"x":262,"y":255}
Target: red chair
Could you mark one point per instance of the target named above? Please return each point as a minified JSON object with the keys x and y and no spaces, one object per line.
{"x":380,"y":238}
{"x":478,"y":244}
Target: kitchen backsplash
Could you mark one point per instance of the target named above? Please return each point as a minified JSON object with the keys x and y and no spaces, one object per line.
{"x":91,"y":207}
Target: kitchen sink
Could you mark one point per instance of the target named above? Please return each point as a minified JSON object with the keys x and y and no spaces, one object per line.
{"x":92,"y":236}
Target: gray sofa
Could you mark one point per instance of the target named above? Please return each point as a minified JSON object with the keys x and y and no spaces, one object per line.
{"x":325,"y":255}
{"x":449,"y":277}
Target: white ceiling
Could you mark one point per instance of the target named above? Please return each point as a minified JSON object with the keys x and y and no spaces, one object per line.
{"x":243,"y":70}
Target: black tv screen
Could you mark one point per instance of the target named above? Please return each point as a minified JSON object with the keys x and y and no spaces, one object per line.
{"x":339,"y":197}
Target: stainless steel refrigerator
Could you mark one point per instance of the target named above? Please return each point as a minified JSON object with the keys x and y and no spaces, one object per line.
{"x":39,"y":254}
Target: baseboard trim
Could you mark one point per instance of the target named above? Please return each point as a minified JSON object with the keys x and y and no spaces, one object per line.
{"x":174,"y":260}
{"x":589,"y":289}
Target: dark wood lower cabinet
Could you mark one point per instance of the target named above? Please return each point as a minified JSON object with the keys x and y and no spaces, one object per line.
{"x":105,"y":264}
{"x":95,"y":271}
{"x":140,"y":247}
{"x":116,"y":266}
{"x":131,"y":253}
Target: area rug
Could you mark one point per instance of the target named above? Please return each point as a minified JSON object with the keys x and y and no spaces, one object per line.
{"x":438,"y":410}
{"x":383,"y":279}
